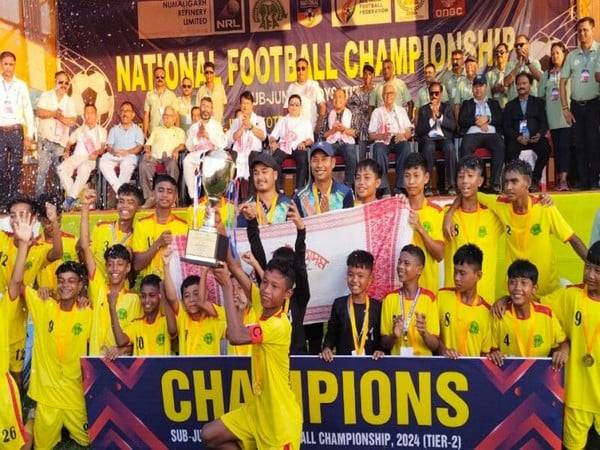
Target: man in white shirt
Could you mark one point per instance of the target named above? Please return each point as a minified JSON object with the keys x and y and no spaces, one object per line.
{"x":89,"y":140}
{"x":16,"y":113}
{"x":123,"y":144}
{"x":340,"y":135}
{"x":156,"y":101}
{"x":311,"y":96}
{"x":203,"y":136}
{"x":292,"y":136}
{"x":391,"y":129}
{"x":56,"y":113}
{"x":403,"y":97}
{"x":248,"y":131}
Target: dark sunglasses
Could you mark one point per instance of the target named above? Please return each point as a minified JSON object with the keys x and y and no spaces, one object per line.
{"x":186,"y":85}
{"x":159,"y":77}
{"x":500,"y":53}
{"x":208,"y":72}
{"x":434,"y":93}
{"x":63,"y":83}
{"x":520,"y":44}
{"x":301,"y":68}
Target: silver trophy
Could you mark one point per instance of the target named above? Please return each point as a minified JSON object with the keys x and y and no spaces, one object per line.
{"x":205,"y":246}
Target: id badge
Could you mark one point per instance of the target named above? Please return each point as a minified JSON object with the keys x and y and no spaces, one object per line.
{"x":522,"y":126}
{"x":406,"y":351}
{"x":554,"y":94}
{"x":585,"y":76}
{"x":8,"y":107}
{"x":355,"y":353}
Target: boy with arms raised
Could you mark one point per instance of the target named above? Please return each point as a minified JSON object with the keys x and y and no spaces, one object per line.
{"x":200,"y":323}
{"x":62,"y":330}
{"x":473,"y":223}
{"x":40,"y":253}
{"x":527,"y":329}
{"x":353,"y":328}
{"x":155,"y":232}
{"x":150,"y":334}
{"x":117,"y":263}
{"x":464,"y":315}
{"x":426,"y":219}
{"x":272,"y":418}
{"x":409,"y":316}
{"x":529,"y":225}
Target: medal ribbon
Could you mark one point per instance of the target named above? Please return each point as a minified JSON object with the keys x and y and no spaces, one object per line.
{"x":530,"y":332}
{"x":411,"y":312}
{"x":359,"y":348}
{"x":589,"y":343}
{"x":318,"y":199}
{"x":268,"y":214}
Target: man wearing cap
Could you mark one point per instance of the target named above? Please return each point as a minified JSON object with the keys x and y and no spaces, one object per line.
{"x":435,"y":130}
{"x":525,"y":127}
{"x":323,"y":193}
{"x":390,"y":129}
{"x":271,"y":207}
{"x":583,"y":113}
{"x":480,"y":119}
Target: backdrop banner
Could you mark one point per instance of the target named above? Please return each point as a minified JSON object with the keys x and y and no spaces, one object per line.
{"x":351,"y":403}
{"x":112,"y":48}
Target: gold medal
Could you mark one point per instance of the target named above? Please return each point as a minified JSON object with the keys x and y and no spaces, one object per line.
{"x":405,"y":337}
{"x":588,"y":360}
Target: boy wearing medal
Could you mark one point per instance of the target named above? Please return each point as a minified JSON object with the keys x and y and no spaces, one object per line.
{"x":271,"y":206}
{"x":409,"y":316}
{"x":353,"y":328}
{"x":527,"y":329}
{"x":465,"y":320}
{"x":578,"y":310}
{"x":272,"y":417}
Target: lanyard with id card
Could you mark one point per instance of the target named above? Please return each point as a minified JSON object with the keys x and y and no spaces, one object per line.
{"x":8,"y":106}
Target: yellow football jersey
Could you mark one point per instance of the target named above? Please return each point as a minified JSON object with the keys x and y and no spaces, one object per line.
{"x":147,"y":231}
{"x":580,"y":317}
{"x":46,"y":277}
{"x":432,"y":219}
{"x":103,"y":236}
{"x":4,"y":339}
{"x":528,"y":236}
{"x":464,"y":328}
{"x":395,"y":305}
{"x":128,"y":307}
{"x":37,"y":257}
{"x":226,"y":210}
{"x":200,"y":337}
{"x":60,"y":340}
{"x":483,"y":229}
{"x":534,"y":337}
{"x":149,"y":339}
{"x":274,"y":410}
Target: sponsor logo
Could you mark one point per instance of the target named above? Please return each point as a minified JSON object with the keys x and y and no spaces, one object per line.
{"x":444,"y":9}
{"x":268,"y":13}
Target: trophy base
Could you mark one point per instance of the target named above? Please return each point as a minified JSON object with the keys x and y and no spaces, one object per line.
{"x":205,"y":247}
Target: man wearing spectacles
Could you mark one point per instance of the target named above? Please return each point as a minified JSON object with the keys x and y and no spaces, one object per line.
{"x":480,"y":119}
{"x":495,"y":76}
{"x":156,"y":102}
{"x":185,"y":104}
{"x":403,"y":97}
{"x":423,"y":93}
{"x":435,"y":131}
{"x":215,"y":91}
{"x":56,"y":112}
{"x":522,"y":63}
{"x":312,"y":98}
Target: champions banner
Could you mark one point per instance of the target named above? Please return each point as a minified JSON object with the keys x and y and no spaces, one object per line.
{"x":160,"y":403}
{"x":110,"y":49}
